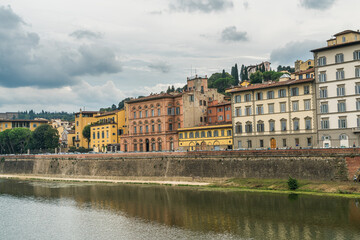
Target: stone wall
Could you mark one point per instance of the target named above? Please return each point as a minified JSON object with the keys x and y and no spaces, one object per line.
{"x":303,"y":164}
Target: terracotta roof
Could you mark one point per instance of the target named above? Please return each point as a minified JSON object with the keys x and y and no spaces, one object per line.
{"x":220,"y":104}
{"x":155,"y":96}
{"x":305,"y":71}
{"x":345,"y":32}
{"x":336,"y":46}
{"x":107,"y":113}
{"x":269,"y":85}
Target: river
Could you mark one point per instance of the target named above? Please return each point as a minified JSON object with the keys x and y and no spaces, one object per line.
{"x":62,"y":210}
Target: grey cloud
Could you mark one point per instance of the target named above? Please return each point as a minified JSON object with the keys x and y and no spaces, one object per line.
{"x":24,"y":62}
{"x":231,"y":34}
{"x":317,"y":4}
{"x":92,"y":60}
{"x":81,"y":34}
{"x":8,"y":19}
{"x":205,"y":6}
{"x":160,"y":66}
{"x":246,"y":4}
{"x":293,"y":51}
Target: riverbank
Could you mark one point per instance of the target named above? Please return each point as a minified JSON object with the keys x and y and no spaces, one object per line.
{"x":319,"y":188}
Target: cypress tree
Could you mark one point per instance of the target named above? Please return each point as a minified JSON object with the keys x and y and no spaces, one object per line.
{"x":223,"y":75}
{"x":236,"y":75}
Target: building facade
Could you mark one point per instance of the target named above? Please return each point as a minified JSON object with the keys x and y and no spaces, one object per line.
{"x":219,"y":112}
{"x":82,"y":119}
{"x":274,"y":115}
{"x":107,"y":130}
{"x":302,"y":66}
{"x":264,"y":65}
{"x":208,"y":137}
{"x":21,"y":123}
{"x":153,"y":121}
{"x":337,"y":72}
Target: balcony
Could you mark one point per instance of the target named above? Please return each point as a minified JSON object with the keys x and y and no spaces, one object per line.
{"x":356,"y":130}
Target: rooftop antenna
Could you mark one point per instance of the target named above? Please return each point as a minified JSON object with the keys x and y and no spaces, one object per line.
{"x":190,"y":71}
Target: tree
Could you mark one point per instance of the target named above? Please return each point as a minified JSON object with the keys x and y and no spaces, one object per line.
{"x":87,"y":134}
{"x":19,"y":139}
{"x":5,"y":142}
{"x":242,"y":75}
{"x":223,"y":74}
{"x":256,"y":77}
{"x":113,"y":107}
{"x":220,"y":83}
{"x":45,"y":137}
{"x":236,"y":75}
{"x":172,"y":88}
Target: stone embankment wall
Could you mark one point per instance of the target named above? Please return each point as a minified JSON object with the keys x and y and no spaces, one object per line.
{"x":316,"y":164}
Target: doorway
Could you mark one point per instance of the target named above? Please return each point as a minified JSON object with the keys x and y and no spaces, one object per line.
{"x":273,"y":143}
{"x":147,"y":145}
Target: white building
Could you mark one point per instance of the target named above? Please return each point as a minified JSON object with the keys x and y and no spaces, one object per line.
{"x":337,"y":74}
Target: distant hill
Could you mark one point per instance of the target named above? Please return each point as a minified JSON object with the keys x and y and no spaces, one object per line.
{"x":47,"y":115}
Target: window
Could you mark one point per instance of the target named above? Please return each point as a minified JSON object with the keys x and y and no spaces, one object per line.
{"x":339,"y":58}
{"x":296,"y":124}
{"x":102,"y":134}
{"x":271,"y":108}
{"x":358,"y":121}
{"x":146,"y":113}
{"x":295,"y":106}
{"x":34,"y":125}
{"x":306,"y":90}
{"x":297,"y":142}
{"x":247,"y":97}
{"x":191,"y":135}
{"x":341,"y":106}
{"x":307,"y":104}
{"x":308,"y":123}
{"x":202,"y":89}
{"x":283,"y":125}
{"x":197,"y":134}
{"x":248,"y":127}
{"x":191,"y":98}
{"x":209,"y":134}
{"x":98,"y":134}
{"x":259,"y":96}
{"x":140,"y":129}
{"x":324,"y":107}
{"x":340,"y":90}
{"x":358,"y":104}
{"x":249,"y":143}
{"x":238,"y":99}
{"x":270,"y":94}
{"x":259,"y":109}
{"x":135,"y":130}
{"x":357,"y":72}
{"x":282,"y":107}
{"x":300,"y":77}
{"x":216,"y":133}
{"x":295,"y":91}
{"x":229,"y":132}
{"x":153,"y":128}
{"x":177,"y":110}
{"x":325,"y":124}
{"x":200,"y":102}
{"x":146,"y":128}
{"x":357,"y":55}
{"x":322,"y":77}
{"x":322,"y":61}
{"x":340,"y":74}
{"x":159,"y":127}
{"x":323,"y":92}
{"x":238,"y":112}
{"x":272,"y":126}
{"x":309,"y":142}
{"x":202,"y":134}
{"x":227,"y":117}
{"x":343,"y":39}
{"x":170,"y":111}
{"x":220,"y":118}
{"x":261,"y":143}
{"x":284,"y":142}
{"x":152,"y":112}
{"x":186,"y":135}
{"x":159,"y":112}
{"x":222,"y":133}
{"x":134,"y":115}
{"x":140,"y":114}
{"x":342,"y":122}
{"x":247,"y":111}
{"x":260,"y":126}
{"x":180,"y":135}
{"x":238,"y":128}
{"x":94,"y":135}
{"x":282,"y":93}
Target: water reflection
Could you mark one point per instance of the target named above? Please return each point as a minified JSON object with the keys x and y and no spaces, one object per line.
{"x":241,"y":214}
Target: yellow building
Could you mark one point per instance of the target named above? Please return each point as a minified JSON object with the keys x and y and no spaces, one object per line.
{"x":344,"y":37}
{"x":82,"y":119}
{"x":21,"y":123}
{"x":302,"y":66}
{"x":210,"y":137}
{"x":107,"y":130}
{"x":71,"y":139}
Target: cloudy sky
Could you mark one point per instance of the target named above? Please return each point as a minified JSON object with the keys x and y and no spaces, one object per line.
{"x":65,"y":55}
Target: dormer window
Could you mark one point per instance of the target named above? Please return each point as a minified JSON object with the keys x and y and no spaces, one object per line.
{"x":343,"y":39}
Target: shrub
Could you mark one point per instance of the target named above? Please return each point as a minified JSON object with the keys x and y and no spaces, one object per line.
{"x":293,"y":183}
{"x":2,"y":159}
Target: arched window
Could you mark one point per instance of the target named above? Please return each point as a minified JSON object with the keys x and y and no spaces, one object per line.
{"x":191,"y":135}
{"x":216,"y":133}
{"x":209,"y":134}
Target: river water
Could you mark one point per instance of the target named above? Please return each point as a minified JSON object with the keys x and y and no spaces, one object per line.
{"x":58,"y":210}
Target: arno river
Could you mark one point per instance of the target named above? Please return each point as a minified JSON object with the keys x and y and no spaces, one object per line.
{"x":56,"y":210}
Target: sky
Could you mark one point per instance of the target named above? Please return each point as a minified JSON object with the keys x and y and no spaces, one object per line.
{"x":63,"y":55}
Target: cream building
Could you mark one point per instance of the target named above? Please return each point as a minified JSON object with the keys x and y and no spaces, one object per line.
{"x":274,"y":115}
{"x":337,"y":72}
